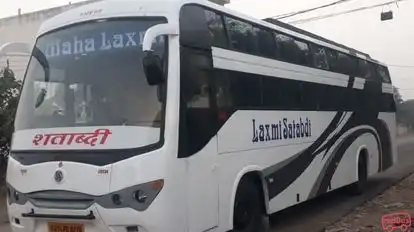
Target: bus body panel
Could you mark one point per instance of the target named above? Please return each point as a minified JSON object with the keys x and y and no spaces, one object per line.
{"x":235,"y":141}
{"x":347,"y":170}
{"x":151,"y":166}
{"x":202,"y":188}
{"x":25,"y":179}
{"x":390,"y":119}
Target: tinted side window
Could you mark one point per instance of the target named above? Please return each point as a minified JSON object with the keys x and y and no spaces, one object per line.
{"x":319,"y":57}
{"x":216,"y":28}
{"x":242,"y":36}
{"x":364,"y":69}
{"x":375,"y":74}
{"x":195,"y":71}
{"x":344,"y":63}
{"x":291,"y":50}
{"x":266,"y":44}
{"x":354,"y":66}
{"x":333,"y":61}
{"x":383,"y":73}
{"x":284,"y":45}
{"x":281,"y":93}
{"x":246,"y":90}
{"x":193,"y":27}
{"x":223,"y":88}
{"x":303,"y":53}
{"x":196,"y":101}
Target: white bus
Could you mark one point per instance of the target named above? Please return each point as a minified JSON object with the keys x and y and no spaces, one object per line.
{"x":182,"y":115}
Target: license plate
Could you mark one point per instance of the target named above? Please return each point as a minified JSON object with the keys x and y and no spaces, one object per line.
{"x":66,"y":227}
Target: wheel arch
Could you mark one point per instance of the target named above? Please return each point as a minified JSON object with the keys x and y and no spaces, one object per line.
{"x":254,"y":172}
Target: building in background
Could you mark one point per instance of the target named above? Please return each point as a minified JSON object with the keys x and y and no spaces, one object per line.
{"x":23,"y":28}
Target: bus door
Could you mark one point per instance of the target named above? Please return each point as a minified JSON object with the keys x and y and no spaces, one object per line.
{"x":198,"y":138}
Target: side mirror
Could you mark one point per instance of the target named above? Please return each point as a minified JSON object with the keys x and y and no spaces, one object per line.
{"x":152,"y":65}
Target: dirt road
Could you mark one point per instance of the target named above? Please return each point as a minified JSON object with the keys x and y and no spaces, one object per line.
{"x":316,"y":215}
{"x":367,"y":217}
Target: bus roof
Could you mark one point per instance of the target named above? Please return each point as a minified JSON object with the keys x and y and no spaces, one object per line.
{"x":169,"y":8}
{"x":301,"y":31}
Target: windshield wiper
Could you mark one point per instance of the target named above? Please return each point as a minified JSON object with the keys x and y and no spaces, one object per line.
{"x":41,"y":97}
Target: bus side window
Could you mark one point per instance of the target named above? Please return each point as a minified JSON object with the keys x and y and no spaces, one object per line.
{"x":365,"y":69}
{"x":354,"y":66}
{"x":246,"y":90}
{"x":195,"y":82}
{"x":345,"y":64}
{"x":266,"y":44}
{"x":303,"y":56}
{"x":292,"y":51}
{"x":197,"y":118}
{"x":193,"y":27}
{"x":223,"y":95}
{"x":383,"y":73}
{"x":242,"y":36}
{"x":319,"y":57}
{"x":224,"y":99}
{"x":279,"y":93}
{"x":333,"y":63}
{"x":216,"y":29}
{"x":375,"y":75}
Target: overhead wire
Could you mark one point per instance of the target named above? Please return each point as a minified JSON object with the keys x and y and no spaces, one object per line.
{"x":287,"y":15}
{"x":343,"y":12}
{"x":400,"y":66}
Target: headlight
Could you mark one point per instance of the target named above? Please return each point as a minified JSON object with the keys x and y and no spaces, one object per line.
{"x":140,"y":196}
{"x":116,"y":199}
{"x":15,"y":197}
{"x":137,"y":197}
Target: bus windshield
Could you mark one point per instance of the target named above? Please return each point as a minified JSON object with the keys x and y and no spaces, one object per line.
{"x":95,"y":78}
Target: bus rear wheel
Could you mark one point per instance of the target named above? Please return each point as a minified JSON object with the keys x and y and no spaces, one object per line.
{"x":249,"y":213}
{"x":358,"y":187}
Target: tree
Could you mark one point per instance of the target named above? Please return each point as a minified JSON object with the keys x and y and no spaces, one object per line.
{"x":397,"y":96}
{"x":9,"y":95}
{"x":403,"y":110}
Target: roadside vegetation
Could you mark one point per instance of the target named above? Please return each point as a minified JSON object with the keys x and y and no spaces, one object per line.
{"x":9,"y":94}
{"x":405,"y":111}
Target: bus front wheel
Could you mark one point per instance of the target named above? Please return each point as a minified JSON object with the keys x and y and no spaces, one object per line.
{"x":249,"y":214}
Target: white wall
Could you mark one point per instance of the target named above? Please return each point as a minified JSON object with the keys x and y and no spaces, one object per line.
{"x":23,"y":28}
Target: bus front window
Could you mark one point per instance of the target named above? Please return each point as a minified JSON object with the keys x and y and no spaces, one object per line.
{"x":95,"y":78}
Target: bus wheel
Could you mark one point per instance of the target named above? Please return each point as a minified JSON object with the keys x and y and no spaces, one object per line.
{"x":358,"y":187}
{"x":249,"y":213}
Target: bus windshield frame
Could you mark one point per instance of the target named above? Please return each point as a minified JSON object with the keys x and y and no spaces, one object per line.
{"x":74,"y":69}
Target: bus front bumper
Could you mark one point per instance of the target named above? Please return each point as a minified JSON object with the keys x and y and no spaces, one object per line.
{"x":28,"y":218}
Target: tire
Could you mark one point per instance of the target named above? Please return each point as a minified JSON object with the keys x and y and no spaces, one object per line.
{"x":358,"y":187}
{"x":249,"y":214}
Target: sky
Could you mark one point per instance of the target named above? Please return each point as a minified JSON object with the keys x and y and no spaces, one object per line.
{"x":388,"y":42}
